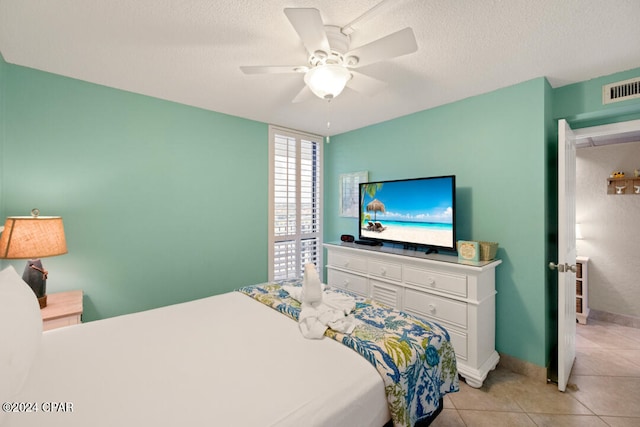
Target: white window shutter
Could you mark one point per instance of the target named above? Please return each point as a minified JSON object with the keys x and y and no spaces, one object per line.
{"x":295,"y":195}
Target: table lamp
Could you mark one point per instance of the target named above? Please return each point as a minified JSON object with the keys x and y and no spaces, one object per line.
{"x":33,"y":237}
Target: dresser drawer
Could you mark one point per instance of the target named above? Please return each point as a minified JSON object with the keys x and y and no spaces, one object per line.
{"x":385,"y":270}
{"x":347,"y":261}
{"x":350,"y":282}
{"x":435,"y":307}
{"x":459,"y":341}
{"x":454,"y":284}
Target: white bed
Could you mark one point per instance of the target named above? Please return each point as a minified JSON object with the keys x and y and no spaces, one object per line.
{"x":197,"y":363}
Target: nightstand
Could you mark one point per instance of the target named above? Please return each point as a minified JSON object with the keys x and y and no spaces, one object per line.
{"x":63,"y":309}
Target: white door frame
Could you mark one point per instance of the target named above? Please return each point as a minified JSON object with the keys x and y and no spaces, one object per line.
{"x":610,"y":130}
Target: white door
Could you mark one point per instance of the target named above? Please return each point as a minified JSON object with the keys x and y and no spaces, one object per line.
{"x":620,"y":132}
{"x":566,"y":252}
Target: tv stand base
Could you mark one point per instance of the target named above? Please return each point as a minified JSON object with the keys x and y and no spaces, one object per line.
{"x":368,"y":243}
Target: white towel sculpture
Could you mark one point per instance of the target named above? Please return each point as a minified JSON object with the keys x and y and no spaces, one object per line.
{"x":311,"y":285}
{"x":321,"y":309}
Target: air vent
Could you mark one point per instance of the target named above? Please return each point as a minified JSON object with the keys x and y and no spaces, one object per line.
{"x":621,"y":91}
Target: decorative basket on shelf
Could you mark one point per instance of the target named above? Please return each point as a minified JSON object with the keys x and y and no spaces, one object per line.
{"x":488,"y":250}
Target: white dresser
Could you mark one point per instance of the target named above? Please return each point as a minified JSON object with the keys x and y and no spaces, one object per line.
{"x":458,"y":295}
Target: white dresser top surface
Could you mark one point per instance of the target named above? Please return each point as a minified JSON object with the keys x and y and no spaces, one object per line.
{"x":388,"y":249}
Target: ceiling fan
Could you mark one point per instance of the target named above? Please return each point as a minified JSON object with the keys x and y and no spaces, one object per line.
{"x":331,"y":61}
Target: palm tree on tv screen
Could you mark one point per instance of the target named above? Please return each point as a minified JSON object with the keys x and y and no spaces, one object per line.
{"x":371,"y":190}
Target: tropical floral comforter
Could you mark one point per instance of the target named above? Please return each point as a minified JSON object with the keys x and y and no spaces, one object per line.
{"x":414,"y":357}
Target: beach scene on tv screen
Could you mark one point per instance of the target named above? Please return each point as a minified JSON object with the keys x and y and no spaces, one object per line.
{"x":414,"y":211}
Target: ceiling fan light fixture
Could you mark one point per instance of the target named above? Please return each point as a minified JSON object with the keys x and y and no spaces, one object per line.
{"x":327,"y":81}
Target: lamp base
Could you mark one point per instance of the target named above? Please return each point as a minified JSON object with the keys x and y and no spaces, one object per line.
{"x":36,"y":277}
{"x":42,"y":301}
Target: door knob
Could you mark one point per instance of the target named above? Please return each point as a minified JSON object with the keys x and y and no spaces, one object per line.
{"x":553,"y":266}
{"x":562,"y":267}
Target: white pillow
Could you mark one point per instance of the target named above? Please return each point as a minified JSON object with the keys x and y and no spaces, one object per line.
{"x":20,"y":332}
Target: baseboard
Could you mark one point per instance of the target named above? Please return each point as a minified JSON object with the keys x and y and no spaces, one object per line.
{"x":618,"y":319}
{"x":519,"y":366}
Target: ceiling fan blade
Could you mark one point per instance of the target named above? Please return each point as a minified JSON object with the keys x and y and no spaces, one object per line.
{"x":304,"y":95}
{"x":308,"y":24}
{"x":365,"y":84}
{"x":396,"y":44}
{"x":273,"y":69}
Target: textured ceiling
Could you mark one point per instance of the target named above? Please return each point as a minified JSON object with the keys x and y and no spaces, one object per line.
{"x":190,"y":51}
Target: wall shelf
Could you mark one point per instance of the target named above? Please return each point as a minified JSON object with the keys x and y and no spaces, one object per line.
{"x":620,"y":186}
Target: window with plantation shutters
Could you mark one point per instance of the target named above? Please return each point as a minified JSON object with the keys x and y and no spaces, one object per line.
{"x":295,"y":195}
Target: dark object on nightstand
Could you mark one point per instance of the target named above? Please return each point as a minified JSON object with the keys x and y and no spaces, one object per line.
{"x":36,"y":277}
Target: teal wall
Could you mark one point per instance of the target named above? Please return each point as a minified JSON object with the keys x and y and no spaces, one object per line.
{"x":161,"y":202}
{"x":495,"y":144}
{"x":581,"y":103}
{"x":3,"y":81}
{"x":165,"y":203}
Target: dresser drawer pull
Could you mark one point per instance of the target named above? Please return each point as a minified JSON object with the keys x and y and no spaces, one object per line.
{"x":383,"y":271}
{"x":431,"y":281}
{"x":346,"y":283}
{"x":432,"y":308}
{"x":346,"y":264}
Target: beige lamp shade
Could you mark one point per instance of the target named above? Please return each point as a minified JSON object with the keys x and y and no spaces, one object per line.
{"x":30,"y":237}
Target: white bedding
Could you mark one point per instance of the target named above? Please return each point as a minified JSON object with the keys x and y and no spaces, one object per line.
{"x":226,"y":360}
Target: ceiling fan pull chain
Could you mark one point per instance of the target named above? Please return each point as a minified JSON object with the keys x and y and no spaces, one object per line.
{"x":328,"y":120}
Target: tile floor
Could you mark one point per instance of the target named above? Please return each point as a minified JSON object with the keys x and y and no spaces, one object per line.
{"x":603,"y":390}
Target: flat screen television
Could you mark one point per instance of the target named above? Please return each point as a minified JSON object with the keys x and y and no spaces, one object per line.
{"x":418,"y":212}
